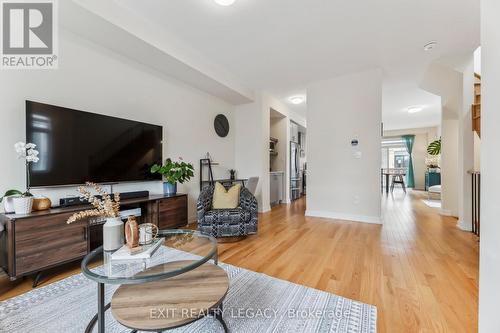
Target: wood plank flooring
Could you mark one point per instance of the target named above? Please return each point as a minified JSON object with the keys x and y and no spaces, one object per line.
{"x":418,"y":269}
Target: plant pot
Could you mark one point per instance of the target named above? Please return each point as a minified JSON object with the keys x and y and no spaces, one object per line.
{"x":169,"y":189}
{"x":8,"y":204}
{"x":23,"y":205}
{"x":112,"y":234}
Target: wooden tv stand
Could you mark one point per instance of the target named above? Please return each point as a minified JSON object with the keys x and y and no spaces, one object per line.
{"x":42,"y":240}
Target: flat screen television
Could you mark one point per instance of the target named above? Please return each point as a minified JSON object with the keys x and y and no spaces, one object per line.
{"x":77,"y":146}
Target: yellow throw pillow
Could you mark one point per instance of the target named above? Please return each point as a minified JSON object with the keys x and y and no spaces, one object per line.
{"x":223,"y":199}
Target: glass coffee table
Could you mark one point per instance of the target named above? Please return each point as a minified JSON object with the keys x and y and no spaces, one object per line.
{"x":151,"y":289}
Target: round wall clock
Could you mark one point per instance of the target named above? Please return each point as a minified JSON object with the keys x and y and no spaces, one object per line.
{"x":221,"y":125}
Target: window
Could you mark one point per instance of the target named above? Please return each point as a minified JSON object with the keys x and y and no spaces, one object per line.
{"x":394,"y":154}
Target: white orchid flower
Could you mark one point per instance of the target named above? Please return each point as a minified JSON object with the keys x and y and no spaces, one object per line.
{"x":27,"y":151}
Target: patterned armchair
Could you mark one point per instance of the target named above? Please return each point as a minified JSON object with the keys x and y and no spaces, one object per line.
{"x":236,"y":222}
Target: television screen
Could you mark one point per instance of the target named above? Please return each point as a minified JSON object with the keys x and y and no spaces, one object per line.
{"x":77,"y":146}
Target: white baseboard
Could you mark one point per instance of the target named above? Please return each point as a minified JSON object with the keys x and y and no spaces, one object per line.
{"x":343,"y":216}
{"x":265,"y":209}
{"x":464,"y":225}
{"x":445,"y":212}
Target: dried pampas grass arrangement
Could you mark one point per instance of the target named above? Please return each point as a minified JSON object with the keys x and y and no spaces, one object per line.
{"x":103,"y":206}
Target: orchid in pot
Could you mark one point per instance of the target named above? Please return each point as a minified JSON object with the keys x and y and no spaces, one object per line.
{"x":15,"y":200}
{"x":173,"y":173}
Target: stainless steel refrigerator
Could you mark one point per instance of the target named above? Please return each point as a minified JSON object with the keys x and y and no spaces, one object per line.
{"x":295,"y":176}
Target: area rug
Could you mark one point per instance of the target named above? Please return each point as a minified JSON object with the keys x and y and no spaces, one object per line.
{"x":433,"y":203}
{"x":255,"y":303}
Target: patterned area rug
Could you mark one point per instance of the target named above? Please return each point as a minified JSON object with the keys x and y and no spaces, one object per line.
{"x":255,"y":303}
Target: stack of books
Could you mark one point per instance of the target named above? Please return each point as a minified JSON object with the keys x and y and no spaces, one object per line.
{"x":141,"y":252}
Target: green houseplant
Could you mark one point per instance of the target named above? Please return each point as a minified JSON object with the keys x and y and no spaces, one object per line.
{"x":434,"y":148}
{"x":173,"y":173}
{"x":8,"y":200}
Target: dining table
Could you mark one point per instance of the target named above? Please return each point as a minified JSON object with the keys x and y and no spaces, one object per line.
{"x":390,"y":172}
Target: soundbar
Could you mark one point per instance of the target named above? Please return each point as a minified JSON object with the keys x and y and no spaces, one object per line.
{"x":75,"y":201}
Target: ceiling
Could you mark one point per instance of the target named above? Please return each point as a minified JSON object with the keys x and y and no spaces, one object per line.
{"x":280,"y":46}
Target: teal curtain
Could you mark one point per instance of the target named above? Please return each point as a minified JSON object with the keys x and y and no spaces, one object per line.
{"x":410,"y":177}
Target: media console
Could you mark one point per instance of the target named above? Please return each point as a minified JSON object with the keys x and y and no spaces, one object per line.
{"x":42,"y":240}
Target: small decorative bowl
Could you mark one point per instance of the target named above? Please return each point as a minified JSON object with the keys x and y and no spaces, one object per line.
{"x":41,"y":204}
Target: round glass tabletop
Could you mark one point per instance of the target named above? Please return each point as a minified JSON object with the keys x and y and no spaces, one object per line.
{"x":120,"y":267}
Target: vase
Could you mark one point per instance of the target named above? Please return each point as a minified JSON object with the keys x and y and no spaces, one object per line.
{"x":8,"y":205}
{"x":112,"y":234}
{"x":41,"y":204}
{"x":23,"y":205}
{"x":169,"y":188}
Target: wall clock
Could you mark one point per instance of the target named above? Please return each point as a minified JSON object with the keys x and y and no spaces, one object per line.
{"x":221,"y":125}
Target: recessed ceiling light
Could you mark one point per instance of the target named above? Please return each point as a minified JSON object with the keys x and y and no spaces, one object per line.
{"x":429,"y":46}
{"x":414,"y":109}
{"x":224,"y":2}
{"x":297,"y":99}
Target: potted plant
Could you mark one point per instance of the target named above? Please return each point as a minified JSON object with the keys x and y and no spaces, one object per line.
{"x":8,"y":200}
{"x":23,"y":203}
{"x":434,"y":148}
{"x":104,"y":206}
{"x":173,"y":173}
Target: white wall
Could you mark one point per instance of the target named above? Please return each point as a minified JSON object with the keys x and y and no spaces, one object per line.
{"x":340,"y":109}
{"x":450,"y":83}
{"x":466,"y":150}
{"x":477,"y":152}
{"x":252,"y":142}
{"x":449,"y":167}
{"x":94,"y":79}
{"x":252,"y":126}
{"x":423,"y":136}
{"x":489,"y":265}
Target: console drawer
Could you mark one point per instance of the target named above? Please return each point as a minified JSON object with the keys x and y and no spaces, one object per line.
{"x":47,"y":241}
{"x":172,"y":212}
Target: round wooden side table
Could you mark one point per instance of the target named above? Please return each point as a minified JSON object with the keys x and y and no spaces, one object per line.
{"x":171,"y":303}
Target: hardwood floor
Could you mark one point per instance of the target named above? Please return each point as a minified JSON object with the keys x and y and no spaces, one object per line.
{"x":418,"y":269}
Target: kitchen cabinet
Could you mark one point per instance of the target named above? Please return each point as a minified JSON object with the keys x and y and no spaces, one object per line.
{"x":276,"y":187}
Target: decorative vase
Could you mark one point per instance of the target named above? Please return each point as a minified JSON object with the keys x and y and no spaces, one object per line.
{"x":41,"y":204}
{"x":23,"y":205}
{"x":112,"y":234}
{"x":8,"y":205}
{"x":169,"y":189}
{"x":132,"y":232}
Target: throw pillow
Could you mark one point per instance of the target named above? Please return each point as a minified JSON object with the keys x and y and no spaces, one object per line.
{"x":223,"y":199}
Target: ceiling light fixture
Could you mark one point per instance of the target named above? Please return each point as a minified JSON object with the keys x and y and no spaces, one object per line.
{"x":297,"y":99}
{"x":224,"y":2}
{"x":414,"y":109}
{"x":429,"y":46}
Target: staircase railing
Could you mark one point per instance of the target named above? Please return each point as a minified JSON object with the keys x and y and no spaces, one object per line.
{"x":476,"y":201}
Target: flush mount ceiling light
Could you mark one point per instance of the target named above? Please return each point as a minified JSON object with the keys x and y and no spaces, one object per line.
{"x":414,"y":109}
{"x":297,"y":99}
{"x":429,"y":46}
{"x":224,"y":2}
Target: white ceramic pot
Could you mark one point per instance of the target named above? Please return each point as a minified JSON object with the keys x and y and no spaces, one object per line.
{"x":23,"y":205}
{"x":8,"y":204}
{"x":113,"y":234}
